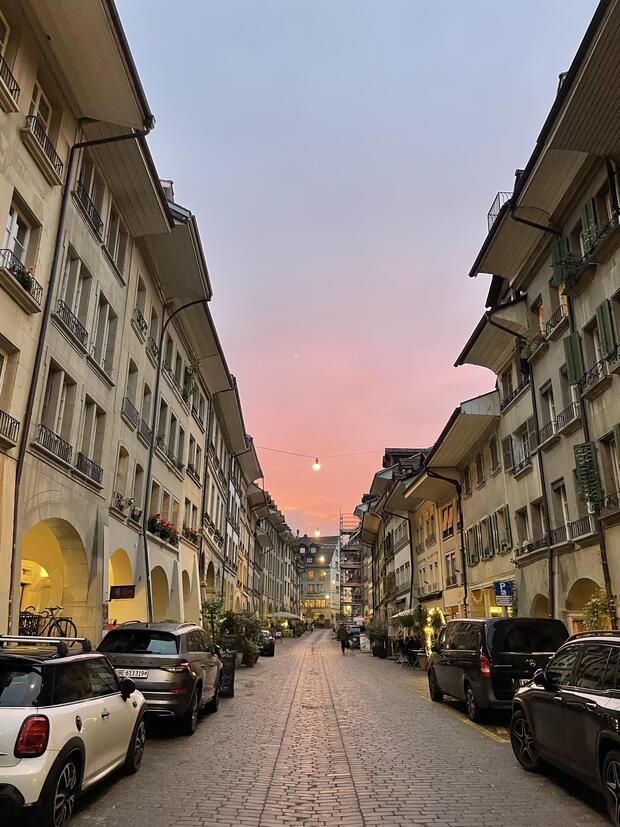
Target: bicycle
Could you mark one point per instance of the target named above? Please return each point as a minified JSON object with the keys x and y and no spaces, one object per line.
{"x":50,"y":625}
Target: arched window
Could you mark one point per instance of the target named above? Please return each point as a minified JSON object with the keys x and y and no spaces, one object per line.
{"x":121,"y":470}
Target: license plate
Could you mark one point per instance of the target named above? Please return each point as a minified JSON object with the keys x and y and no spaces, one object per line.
{"x":522,"y":681}
{"x":132,"y":673}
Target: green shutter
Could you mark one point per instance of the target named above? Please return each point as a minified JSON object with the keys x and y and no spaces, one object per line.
{"x":617,"y":439}
{"x":575,"y":368}
{"x":507,"y":451}
{"x":560,"y":252}
{"x":587,"y":473}
{"x":588,"y":224}
{"x":508,"y":526}
{"x":605,"y":325}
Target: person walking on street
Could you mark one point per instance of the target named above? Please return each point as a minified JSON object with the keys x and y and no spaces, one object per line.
{"x":343,"y":636}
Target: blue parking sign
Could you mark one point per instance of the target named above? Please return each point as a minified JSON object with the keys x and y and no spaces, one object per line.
{"x":503,"y":592}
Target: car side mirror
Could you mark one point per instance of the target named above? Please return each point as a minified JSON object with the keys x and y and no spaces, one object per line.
{"x":128,"y":687}
{"x":435,"y":647}
{"x":217,"y":650}
{"x":539,"y":678}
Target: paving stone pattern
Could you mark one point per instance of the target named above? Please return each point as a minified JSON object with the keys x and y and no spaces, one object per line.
{"x":317,"y":738}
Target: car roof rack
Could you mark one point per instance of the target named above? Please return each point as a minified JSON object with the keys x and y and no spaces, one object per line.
{"x":599,"y":633}
{"x":61,"y":643}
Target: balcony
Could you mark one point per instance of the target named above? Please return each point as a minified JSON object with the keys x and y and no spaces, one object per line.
{"x":529,"y":547}
{"x":559,"y":536}
{"x":522,"y":467}
{"x":152,"y":351}
{"x":144,"y":432}
{"x":42,"y":150}
{"x":90,"y":211}
{"x":73,"y":325}
{"x":510,"y":398}
{"x":129,"y":413}
{"x":538,"y":346}
{"x":19,"y":282}
{"x":500,"y":200}
{"x":558,"y":323}
{"x":430,"y":540}
{"x":548,"y":435}
{"x":610,"y":504}
{"x":582,"y":528}
{"x":595,"y":380}
{"x":613,"y":360}
{"x":9,"y":430}
{"x":89,"y":468}
{"x":9,"y":88}
{"x":569,"y":419}
{"x":139,"y":323}
{"x":53,"y":444}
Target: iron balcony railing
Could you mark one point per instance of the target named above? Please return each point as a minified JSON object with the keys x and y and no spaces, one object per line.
{"x":89,"y":208}
{"x":432,"y":538}
{"x":118,"y":501}
{"x":19,"y":271}
{"x":556,"y":318}
{"x":500,"y":199}
{"x":592,"y":376}
{"x":9,"y":81}
{"x":546,"y":432}
{"x":52,"y":442}
{"x":529,"y":546}
{"x":559,"y":535}
{"x":89,"y":467}
{"x":522,"y":465}
{"x":9,"y":427}
{"x":151,"y":347}
{"x":37,"y":129}
{"x":145,"y":432}
{"x":129,"y":411}
{"x":582,"y":527}
{"x":72,"y":323}
{"x":140,"y":321}
{"x":611,"y":503}
{"x":514,"y":393}
{"x":568,"y":415}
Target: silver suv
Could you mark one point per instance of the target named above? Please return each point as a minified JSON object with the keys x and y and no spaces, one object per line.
{"x":173,"y":665}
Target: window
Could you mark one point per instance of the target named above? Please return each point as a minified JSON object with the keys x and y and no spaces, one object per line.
{"x":40,"y":107}
{"x":116,"y":243}
{"x":122,"y":466}
{"x":467,"y":481}
{"x":139,"y":641}
{"x":310,"y":574}
{"x":451,"y":575}
{"x":93,"y":431}
{"x":560,"y":504}
{"x":165,"y":505}
{"x":560,"y":667}
{"x":138,"y":486}
{"x":75,"y":287}
{"x":447,"y":522}
{"x":547,"y":404}
{"x":536,"y":514}
{"x":508,"y":454}
{"x":610,"y":456}
{"x":506,"y":382}
{"x":72,"y":683}
{"x":102,"y":678}
{"x":523,"y":529}
{"x":59,"y":402}
{"x":91,"y":192}
{"x":154,"y":501}
{"x":17,"y":234}
{"x":493,"y":452}
{"x":479,"y":469}
{"x":105,"y":335}
{"x":4,"y":34}
{"x":198,"y":464}
{"x":191,"y":455}
{"x":20,"y":683}
{"x":591,"y":670}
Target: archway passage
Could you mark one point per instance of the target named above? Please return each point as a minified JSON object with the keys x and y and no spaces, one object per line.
{"x":190,"y":597}
{"x":210,"y":579}
{"x":54,"y":572}
{"x":120,"y":574}
{"x":540,"y":606}
{"x":237,"y":604}
{"x":161,"y":594}
{"x":580,"y":592}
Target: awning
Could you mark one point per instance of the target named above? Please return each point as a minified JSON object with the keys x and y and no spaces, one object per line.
{"x":431,"y":488}
{"x":495,"y":337}
{"x":262,"y":538}
{"x":371,"y":523}
{"x":381,"y":481}
{"x":285,"y":616}
{"x":464,"y":429}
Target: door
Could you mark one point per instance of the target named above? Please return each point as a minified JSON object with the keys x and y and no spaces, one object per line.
{"x":546,"y":705}
{"x":440,"y":658}
{"x":117,"y":716}
{"x":198,"y":654}
{"x":464,"y":658}
{"x":585,"y":706}
{"x":212,"y":665}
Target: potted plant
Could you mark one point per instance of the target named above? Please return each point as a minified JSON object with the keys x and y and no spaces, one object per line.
{"x":377,"y":630}
{"x":211,"y":613}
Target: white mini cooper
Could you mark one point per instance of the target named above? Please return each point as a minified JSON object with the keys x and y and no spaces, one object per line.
{"x":66,"y":721}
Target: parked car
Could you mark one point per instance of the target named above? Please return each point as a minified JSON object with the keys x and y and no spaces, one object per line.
{"x":354,"y":636}
{"x":483,"y":662}
{"x":569,"y":715}
{"x":67,"y":721}
{"x":268,"y":646}
{"x":176,"y":668}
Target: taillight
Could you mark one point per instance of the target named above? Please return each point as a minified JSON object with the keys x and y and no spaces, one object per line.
{"x":186,"y":666}
{"x":33,"y":736}
{"x":485,"y":666}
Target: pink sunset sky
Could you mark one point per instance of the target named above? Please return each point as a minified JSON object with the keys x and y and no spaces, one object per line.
{"x":341,"y":157}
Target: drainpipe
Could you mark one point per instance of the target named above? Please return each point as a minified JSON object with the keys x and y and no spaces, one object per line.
{"x":533,"y":224}
{"x":613,"y":185}
{"x":600,"y":529}
{"x":205,"y":487}
{"x":459,"y":500}
{"x":47,"y":310}
{"x":406,"y":519}
{"x":149,"y":467}
{"x":541,"y":471}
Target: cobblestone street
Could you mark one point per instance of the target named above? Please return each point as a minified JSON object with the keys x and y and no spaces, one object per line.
{"x":315,"y":738}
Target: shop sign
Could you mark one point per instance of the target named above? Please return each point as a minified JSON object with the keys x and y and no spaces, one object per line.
{"x":122,"y":592}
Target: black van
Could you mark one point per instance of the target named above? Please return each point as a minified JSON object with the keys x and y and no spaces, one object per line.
{"x":485,"y":661}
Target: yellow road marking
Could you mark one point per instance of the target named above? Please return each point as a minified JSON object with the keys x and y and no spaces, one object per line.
{"x":486,"y":732}
{"x":481,"y":729}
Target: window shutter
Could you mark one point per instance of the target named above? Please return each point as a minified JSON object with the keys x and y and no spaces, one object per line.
{"x":532,"y":433}
{"x":575,"y":368}
{"x":617,"y":440}
{"x":587,"y":473}
{"x":508,"y":528}
{"x":507,"y":451}
{"x":560,"y":251}
{"x":588,"y":224}
{"x":605,"y":326}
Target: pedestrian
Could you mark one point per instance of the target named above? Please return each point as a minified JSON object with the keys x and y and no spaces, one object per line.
{"x":343,"y":637}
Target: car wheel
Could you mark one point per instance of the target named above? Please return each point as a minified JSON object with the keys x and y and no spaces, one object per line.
{"x":189,"y":721}
{"x":214,"y":703}
{"x":272,"y":653}
{"x":611,"y":785}
{"x":135,"y":752}
{"x":523,"y":743}
{"x":58,"y":800}
{"x":433,"y":687}
{"x":473,"y":710}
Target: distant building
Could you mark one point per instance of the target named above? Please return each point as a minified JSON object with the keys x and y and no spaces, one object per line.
{"x":320,"y":585}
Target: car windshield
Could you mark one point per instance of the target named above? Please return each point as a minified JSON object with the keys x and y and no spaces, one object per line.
{"x":527,"y":637}
{"x":20,"y":684}
{"x":139,"y":642}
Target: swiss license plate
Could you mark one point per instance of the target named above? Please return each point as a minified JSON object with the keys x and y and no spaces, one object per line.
{"x":132,"y":673}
